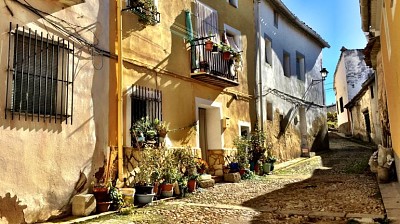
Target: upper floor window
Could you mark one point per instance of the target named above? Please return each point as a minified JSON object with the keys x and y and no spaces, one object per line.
{"x":268,"y":49}
{"x":276,"y":19}
{"x":40,"y":76}
{"x":300,"y":66}
{"x":234,"y":3}
{"x":286,"y":63}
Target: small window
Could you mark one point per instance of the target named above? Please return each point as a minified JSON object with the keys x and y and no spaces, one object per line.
{"x":268,"y":50}
{"x":371,"y":89}
{"x":286,"y":64}
{"x":40,"y":79}
{"x":270,"y":109}
{"x":276,"y":19}
{"x":300,"y":66}
{"x":146,"y":102}
{"x":234,"y":3}
{"x":341,"y":105}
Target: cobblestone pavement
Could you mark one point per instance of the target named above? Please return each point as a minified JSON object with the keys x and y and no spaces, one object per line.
{"x":332,"y":187}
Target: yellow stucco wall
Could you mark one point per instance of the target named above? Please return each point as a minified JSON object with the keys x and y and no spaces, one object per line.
{"x":41,"y":162}
{"x":158,"y":57}
{"x":390,"y":35}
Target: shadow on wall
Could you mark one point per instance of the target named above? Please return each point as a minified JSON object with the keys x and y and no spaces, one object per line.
{"x":11,"y":210}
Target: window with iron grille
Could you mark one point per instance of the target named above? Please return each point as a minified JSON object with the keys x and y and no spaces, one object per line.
{"x":39,"y":80}
{"x":146,"y":102}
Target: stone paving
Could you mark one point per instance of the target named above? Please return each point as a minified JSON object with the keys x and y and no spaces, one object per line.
{"x":333,"y":187}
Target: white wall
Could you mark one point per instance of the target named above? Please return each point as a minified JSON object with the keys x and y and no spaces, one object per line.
{"x":292,"y":40}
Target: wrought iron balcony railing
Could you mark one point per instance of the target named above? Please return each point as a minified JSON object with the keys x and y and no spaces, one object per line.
{"x":146,"y":11}
{"x":210,"y":65}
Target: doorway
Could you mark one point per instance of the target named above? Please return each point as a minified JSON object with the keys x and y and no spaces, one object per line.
{"x":203,"y":133}
{"x":367,"y":125}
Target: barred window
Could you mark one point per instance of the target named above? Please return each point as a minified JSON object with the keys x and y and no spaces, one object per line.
{"x":146,"y":102}
{"x":39,"y":81}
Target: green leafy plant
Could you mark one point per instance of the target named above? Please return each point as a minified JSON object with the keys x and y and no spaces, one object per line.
{"x":243,"y":146}
{"x":116,"y":197}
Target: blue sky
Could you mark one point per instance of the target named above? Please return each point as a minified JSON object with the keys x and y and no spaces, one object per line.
{"x":338,"y":22}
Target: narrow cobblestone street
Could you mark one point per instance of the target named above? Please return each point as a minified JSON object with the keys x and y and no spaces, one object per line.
{"x":332,"y":187}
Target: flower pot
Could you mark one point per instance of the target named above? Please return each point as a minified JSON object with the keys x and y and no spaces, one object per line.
{"x":182,"y":190}
{"x":144,"y":199}
{"x":103,"y":206}
{"x":242,"y":171}
{"x":226,"y":55}
{"x":101,"y":194}
{"x":156,"y":187}
{"x":167,"y":187}
{"x":267,"y":168}
{"x":167,"y":194}
{"x":191,"y":185}
{"x":144,"y":189}
{"x":209,"y":45}
{"x":128,"y":195}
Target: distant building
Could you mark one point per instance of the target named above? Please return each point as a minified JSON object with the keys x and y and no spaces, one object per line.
{"x":351,"y":72}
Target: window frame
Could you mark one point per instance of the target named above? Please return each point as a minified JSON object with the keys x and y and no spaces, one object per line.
{"x":341,"y":104}
{"x":300,"y":66}
{"x":270,"y":111}
{"x":276,"y":19}
{"x":40,"y":76}
{"x":286,"y":64}
{"x":267,"y":49}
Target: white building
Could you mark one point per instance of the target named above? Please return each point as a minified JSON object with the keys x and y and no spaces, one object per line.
{"x":351,"y":72}
{"x":289,"y":61}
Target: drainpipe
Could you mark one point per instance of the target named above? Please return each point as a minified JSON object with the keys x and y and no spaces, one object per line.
{"x":260,"y":94}
{"x":119,"y":90}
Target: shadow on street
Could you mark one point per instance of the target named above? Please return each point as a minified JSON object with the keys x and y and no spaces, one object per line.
{"x":340,"y":183}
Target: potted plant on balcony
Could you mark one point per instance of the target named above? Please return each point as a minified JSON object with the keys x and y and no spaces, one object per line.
{"x":226,"y":51}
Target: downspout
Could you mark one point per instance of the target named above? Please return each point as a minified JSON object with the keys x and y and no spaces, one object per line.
{"x":260,"y":94}
{"x":119,"y":92}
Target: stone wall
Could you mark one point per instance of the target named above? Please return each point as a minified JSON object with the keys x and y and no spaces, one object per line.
{"x":217,"y":159}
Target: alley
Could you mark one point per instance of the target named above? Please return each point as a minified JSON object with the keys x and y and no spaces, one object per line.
{"x":332,"y":187}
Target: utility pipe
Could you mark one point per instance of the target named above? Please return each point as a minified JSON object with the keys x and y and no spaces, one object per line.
{"x":260,"y":94}
{"x":119,"y":92}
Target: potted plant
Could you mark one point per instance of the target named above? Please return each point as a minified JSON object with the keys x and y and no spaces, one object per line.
{"x":183,"y":186}
{"x":116,"y":198}
{"x":226,"y":52}
{"x":192,"y":183}
{"x":209,"y":45}
{"x":201,"y":165}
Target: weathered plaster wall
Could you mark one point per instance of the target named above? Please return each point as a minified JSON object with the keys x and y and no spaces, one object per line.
{"x":391,"y":59}
{"x":158,"y":57}
{"x":41,"y":162}
{"x":365,"y":103}
{"x":340,"y":85}
{"x":287,"y":144}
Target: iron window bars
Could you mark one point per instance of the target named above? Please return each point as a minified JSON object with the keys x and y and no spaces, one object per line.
{"x":40,"y":76}
{"x":146,"y":102}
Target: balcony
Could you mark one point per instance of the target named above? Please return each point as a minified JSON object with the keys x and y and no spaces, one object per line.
{"x":211,"y":66}
{"x":146,"y":11}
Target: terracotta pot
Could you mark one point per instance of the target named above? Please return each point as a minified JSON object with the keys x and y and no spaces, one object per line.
{"x":103,"y":206}
{"x":191,"y":185}
{"x":242,"y":171}
{"x":209,"y":45}
{"x":101,"y":194}
{"x":167,"y":187}
{"x":226,"y":55}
